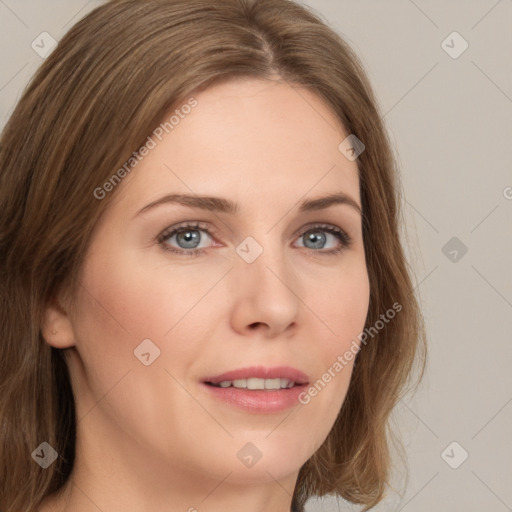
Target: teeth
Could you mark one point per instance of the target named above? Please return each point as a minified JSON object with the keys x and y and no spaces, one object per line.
{"x":255,"y":383}
{"x":271,"y":383}
{"x":240,"y":383}
{"x":286,"y":383}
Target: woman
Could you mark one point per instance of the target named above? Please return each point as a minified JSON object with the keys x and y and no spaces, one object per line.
{"x":262,"y":370}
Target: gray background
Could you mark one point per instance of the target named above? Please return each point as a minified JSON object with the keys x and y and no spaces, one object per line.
{"x":451,"y":122}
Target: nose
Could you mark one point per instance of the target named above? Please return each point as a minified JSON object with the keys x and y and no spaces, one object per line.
{"x":263,"y":290}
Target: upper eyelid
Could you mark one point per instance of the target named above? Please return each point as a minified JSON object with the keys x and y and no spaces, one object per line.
{"x":190,"y":225}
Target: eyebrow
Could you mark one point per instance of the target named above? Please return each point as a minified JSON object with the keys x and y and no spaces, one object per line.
{"x":219,"y":204}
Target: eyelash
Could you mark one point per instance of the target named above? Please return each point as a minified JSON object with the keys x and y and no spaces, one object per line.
{"x":342,"y":236}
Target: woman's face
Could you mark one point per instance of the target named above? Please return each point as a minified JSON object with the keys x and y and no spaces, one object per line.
{"x":264,"y":291}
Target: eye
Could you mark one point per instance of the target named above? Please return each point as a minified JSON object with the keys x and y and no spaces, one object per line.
{"x":187,"y":236}
{"x":311,"y":236}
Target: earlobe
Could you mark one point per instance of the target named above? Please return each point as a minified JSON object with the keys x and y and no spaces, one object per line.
{"x":57,"y":329}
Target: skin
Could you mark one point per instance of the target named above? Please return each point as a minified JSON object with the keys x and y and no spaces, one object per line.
{"x":150,"y":437}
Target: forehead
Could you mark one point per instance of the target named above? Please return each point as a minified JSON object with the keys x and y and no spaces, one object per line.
{"x":247,"y":137}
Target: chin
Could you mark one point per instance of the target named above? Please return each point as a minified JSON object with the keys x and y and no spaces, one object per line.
{"x":267,"y":455}
{"x":264,"y":471}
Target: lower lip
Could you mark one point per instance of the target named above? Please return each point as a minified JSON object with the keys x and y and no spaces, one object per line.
{"x":259,"y":401}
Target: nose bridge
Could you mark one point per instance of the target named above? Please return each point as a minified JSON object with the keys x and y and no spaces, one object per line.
{"x":263,"y":278}
{"x":259,"y":253}
{"x":262,"y":242}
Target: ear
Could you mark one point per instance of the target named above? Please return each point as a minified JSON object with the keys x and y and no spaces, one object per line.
{"x":57,"y":329}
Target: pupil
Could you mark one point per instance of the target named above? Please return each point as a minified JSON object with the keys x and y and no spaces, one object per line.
{"x":317,"y":240}
{"x":190,"y":236}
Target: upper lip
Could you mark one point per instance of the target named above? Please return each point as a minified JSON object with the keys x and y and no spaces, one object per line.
{"x":261,"y":372}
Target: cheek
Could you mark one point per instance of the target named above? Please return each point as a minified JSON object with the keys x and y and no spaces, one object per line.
{"x":118,"y":308}
{"x":125,"y":300}
{"x":122,"y":303}
{"x":131,"y":299}
{"x":343,"y":309}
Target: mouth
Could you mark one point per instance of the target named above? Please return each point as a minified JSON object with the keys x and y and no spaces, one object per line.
{"x":260,"y":377}
{"x":258,"y":389}
{"x":254,"y":383}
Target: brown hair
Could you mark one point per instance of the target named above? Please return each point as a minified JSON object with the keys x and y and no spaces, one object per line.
{"x":95,"y":100}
